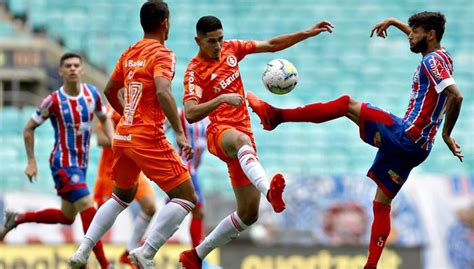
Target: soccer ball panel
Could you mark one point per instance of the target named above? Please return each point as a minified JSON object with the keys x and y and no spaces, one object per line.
{"x":280,"y":76}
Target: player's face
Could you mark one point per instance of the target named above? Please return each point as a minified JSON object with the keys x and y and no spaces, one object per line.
{"x":418,"y":40}
{"x":211,"y":43}
{"x":71,"y":70}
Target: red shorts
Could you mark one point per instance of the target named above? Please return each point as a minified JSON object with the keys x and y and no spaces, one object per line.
{"x":214,"y":144}
{"x":160,"y":164}
{"x":104,"y":186}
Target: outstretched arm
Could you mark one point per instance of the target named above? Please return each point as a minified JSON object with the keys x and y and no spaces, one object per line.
{"x":381,"y":28}
{"x":453,"y":107}
{"x":31,"y":169}
{"x":284,"y":41}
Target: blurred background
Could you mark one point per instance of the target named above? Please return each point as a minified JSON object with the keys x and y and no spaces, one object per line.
{"x":328,"y":216}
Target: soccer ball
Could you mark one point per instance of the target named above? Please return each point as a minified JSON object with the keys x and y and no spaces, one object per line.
{"x":280,"y":76}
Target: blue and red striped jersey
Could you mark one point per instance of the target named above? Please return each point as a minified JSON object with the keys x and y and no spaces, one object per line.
{"x":197,"y":138}
{"x":71,"y":117}
{"x":427,"y":101}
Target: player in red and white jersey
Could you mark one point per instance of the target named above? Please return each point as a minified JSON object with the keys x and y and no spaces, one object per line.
{"x":403,"y":143}
{"x":214,"y":89}
{"x":70,"y":109}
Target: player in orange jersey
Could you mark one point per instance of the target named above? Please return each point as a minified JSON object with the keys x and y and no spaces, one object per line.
{"x":213,"y":88}
{"x":145,"y":70}
{"x":104,"y":184}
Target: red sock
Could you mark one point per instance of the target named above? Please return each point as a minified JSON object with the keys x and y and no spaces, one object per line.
{"x":197,"y":231}
{"x":317,"y":112}
{"x":379,"y":233}
{"x":86,"y":217}
{"x":50,"y":216}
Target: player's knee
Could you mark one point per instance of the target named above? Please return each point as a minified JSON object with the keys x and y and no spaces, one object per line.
{"x":249,"y":219}
{"x":242,"y":140}
{"x":149,"y":210}
{"x":193,"y":199}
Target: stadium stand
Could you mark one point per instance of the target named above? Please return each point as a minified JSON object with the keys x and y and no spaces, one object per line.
{"x":345,"y":62}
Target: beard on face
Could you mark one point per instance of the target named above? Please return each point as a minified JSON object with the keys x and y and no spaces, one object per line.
{"x":420,"y":46}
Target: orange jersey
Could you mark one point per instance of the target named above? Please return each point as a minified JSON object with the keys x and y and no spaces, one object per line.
{"x":206,"y":78}
{"x":104,"y":183}
{"x":107,"y":158}
{"x":142,"y":122}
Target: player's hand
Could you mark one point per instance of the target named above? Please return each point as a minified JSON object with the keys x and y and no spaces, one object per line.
{"x":453,"y":146}
{"x":184,"y":148}
{"x":381,"y":28}
{"x":323,"y":26}
{"x":31,"y":171}
{"x":233,"y":99}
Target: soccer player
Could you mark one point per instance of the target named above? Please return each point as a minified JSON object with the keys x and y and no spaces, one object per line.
{"x":71,"y":109}
{"x":403,"y":143}
{"x":213,"y":87}
{"x":103,"y":188}
{"x":145,"y":70}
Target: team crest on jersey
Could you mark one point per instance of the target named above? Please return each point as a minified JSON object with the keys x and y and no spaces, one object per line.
{"x":231,"y":61}
{"x":75,"y":178}
{"x":79,"y":108}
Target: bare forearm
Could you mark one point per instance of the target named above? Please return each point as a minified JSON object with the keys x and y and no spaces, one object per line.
{"x":111,"y":92}
{"x":453,"y":108}
{"x":106,"y":135}
{"x":168,"y":105}
{"x":29,"y":138}
{"x":405,"y":28}
{"x":200,"y":111}
{"x":285,"y":41}
{"x":114,"y":102}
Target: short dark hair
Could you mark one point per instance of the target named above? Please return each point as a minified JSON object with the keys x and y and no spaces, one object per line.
{"x":68,"y":55}
{"x":152,"y":14}
{"x":429,"y":21}
{"x":208,"y":24}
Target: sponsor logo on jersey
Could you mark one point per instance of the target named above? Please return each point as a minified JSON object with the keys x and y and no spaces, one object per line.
{"x":226,"y":82}
{"x":123,"y":137}
{"x":132,"y":63}
{"x":436,"y":68}
{"x":213,"y":76}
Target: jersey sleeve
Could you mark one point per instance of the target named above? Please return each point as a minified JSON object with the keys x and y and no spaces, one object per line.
{"x":44,"y":110}
{"x":164,"y":65}
{"x":117,"y":74}
{"x":437,"y":70}
{"x":243,"y":47}
{"x":192,"y":88}
{"x":99,"y":109}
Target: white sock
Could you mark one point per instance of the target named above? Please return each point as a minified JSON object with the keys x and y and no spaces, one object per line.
{"x":168,"y":220}
{"x":227,"y":230}
{"x":253,"y":169}
{"x":141,"y":224}
{"x":103,"y":220}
